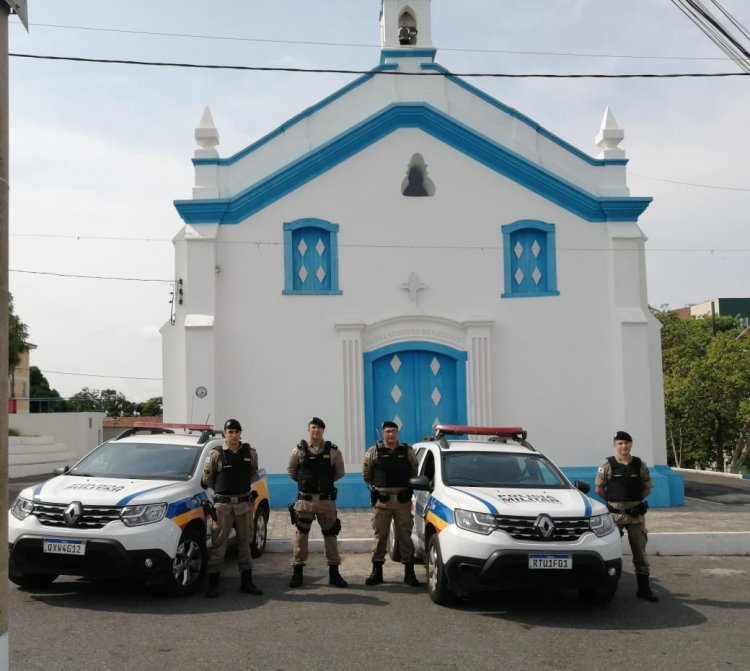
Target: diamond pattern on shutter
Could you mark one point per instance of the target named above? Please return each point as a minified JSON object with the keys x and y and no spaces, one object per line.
{"x":535,"y":249}
{"x":320,"y":247}
{"x":303,"y":273}
{"x":396,"y":393}
{"x":536,"y":275}
{"x":518,"y":276}
{"x":436,"y":396}
{"x":320,"y":274}
{"x":434,"y":365}
{"x":518,"y":250}
{"x":395,"y":363}
{"x":302,"y":247}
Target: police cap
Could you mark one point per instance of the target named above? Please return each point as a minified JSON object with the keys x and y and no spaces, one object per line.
{"x":232,"y":424}
{"x":388,"y":424}
{"x":316,"y":421}
{"x":623,"y":435}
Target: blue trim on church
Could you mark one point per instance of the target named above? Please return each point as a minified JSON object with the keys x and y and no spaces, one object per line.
{"x":433,"y":122}
{"x":523,"y":234}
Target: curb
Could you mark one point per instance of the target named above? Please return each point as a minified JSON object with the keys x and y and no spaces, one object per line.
{"x":719,"y":543}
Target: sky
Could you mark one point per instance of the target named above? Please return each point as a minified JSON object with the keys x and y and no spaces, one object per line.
{"x":99,"y":152}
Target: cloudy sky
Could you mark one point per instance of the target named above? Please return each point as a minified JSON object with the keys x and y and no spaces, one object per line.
{"x":99,"y":151}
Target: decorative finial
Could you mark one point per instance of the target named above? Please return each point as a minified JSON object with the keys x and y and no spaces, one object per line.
{"x":609,"y":136}
{"x":206,"y":136}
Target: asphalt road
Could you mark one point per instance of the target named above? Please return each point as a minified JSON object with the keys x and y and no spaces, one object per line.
{"x":700,"y":624}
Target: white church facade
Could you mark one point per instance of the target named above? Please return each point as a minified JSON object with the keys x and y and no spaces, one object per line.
{"x":412,"y":249}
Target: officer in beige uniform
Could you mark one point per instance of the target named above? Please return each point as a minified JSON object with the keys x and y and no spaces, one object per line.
{"x":387,"y":467}
{"x":624,"y":482}
{"x":229,"y":470}
{"x":315,"y":465}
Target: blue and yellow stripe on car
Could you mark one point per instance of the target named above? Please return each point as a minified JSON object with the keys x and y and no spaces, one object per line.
{"x":438,"y":514}
{"x":186,"y":510}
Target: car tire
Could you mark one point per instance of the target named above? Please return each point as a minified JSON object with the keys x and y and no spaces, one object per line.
{"x":258,"y":546}
{"x":437,"y":580}
{"x":394,"y":552}
{"x":189,"y":564}
{"x":31,"y":580}
{"x":600,"y":596}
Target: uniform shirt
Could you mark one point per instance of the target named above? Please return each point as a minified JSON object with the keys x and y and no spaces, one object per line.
{"x":215,"y":462}
{"x":337,"y":461}
{"x":371,"y":457}
{"x":604,"y":475}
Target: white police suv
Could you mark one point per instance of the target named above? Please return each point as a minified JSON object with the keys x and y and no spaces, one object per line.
{"x":492,"y":512}
{"x":131,"y":508}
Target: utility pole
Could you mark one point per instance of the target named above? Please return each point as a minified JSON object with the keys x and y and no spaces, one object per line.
{"x":19,"y":7}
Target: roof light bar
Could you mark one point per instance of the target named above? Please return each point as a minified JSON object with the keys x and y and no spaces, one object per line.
{"x":457,"y":429}
{"x":172,"y":425}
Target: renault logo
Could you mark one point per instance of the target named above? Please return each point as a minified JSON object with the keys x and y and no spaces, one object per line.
{"x":544,"y":526}
{"x":73,"y":513}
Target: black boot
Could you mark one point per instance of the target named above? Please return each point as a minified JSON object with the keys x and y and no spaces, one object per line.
{"x":376,"y":575}
{"x":212,"y":591}
{"x":334,"y":577}
{"x":247,"y":585}
{"x":644,"y":589}
{"x":410,"y":577}
{"x":296,"y":580}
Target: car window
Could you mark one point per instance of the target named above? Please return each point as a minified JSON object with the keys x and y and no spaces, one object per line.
{"x":140,"y":461}
{"x":494,"y":469}
{"x":428,"y":467}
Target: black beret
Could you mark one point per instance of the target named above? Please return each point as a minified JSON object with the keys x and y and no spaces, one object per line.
{"x":232,"y":424}
{"x":623,"y":435}
{"x":316,"y":421}
{"x":388,"y":424}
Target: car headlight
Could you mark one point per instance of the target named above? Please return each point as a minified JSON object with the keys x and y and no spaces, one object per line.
{"x":601,"y":525}
{"x":480,"y":523}
{"x":133,"y":516}
{"x":22,"y":508}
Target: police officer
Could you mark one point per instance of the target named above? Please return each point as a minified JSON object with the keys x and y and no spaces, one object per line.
{"x":387,"y":467}
{"x":229,"y":470}
{"x":315,"y":464}
{"x":624,"y":482}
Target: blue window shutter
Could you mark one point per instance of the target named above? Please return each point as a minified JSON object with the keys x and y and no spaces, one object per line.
{"x":529,"y":258}
{"x":311,"y":257}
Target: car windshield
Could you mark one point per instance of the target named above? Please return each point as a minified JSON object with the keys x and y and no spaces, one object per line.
{"x":497,"y":469}
{"x":149,"y":461}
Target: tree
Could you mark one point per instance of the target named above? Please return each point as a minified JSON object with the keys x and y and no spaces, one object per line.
{"x":150,"y":408}
{"x":706,"y":368}
{"x":18,"y":334}
{"x":43,"y":399}
{"x":109,"y":401}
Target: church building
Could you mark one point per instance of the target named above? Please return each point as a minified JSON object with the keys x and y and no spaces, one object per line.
{"x":412,"y":249}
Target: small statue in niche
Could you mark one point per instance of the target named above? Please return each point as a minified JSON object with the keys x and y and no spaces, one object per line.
{"x":417,"y":183}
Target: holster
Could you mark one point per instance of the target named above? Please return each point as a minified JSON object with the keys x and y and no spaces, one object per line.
{"x":373,"y":497}
{"x":292,"y":514}
{"x":403,"y":496}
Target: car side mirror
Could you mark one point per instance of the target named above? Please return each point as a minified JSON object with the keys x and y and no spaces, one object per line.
{"x":61,"y":470}
{"x":582,"y":486}
{"x":420,"y":482}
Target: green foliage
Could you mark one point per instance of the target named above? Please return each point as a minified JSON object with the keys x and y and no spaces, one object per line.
{"x":14,"y":432}
{"x":110,"y":401}
{"x":706,"y":365}
{"x":151,"y":408}
{"x":18,"y":334}
{"x":43,"y":399}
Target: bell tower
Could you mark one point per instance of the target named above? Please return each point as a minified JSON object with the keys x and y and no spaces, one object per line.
{"x":405,"y":24}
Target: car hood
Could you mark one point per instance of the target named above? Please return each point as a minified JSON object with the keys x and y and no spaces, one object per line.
{"x":103,"y":491}
{"x":525,"y":502}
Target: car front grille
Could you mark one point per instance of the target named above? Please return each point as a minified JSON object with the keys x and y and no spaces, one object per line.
{"x":93,"y":517}
{"x":524,"y":528}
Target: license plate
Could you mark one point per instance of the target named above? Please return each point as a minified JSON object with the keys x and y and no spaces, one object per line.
{"x":550,"y":562}
{"x":57,"y":546}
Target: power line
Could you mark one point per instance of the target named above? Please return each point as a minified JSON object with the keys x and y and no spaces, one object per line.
{"x":87,"y":277}
{"x":394,"y":73}
{"x":114,"y":377}
{"x":260,"y":40}
{"x":699,"y":186}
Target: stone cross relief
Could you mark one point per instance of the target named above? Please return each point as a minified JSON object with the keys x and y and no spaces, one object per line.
{"x":413,"y":285}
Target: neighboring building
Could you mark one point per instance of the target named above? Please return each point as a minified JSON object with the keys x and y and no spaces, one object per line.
{"x":114,"y":426}
{"x":731,"y":307}
{"x":19,"y":384}
{"x":410,"y":248}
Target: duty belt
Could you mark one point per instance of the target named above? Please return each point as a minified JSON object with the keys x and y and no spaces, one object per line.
{"x":225,"y":498}
{"x":314,"y":497}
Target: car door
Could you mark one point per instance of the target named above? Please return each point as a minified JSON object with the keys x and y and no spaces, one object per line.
{"x":421,"y":499}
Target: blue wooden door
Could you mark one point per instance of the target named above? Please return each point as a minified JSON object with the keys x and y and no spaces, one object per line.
{"x":417,"y":389}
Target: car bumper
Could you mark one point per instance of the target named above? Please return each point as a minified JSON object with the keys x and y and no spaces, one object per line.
{"x":509,"y":569}
{"x":104,"y":559}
